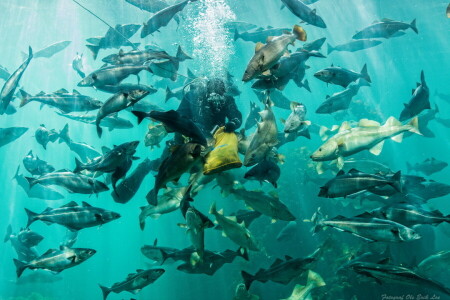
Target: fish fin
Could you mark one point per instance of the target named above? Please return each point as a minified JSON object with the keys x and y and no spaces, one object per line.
{"x":248,"y":279}
{"x":140,"y":115}
{"x":258,"y":46}
{"x":181,"y":55}
{"x":70,"y":204}
{"x":340,"y":162}
{"x":397,"y":138}
{"x":32,"y":216}
{"x":364,"y":74}
{"x":8,"y":233}
{"x":344,"y":126}
{"x":376,"y":150}
{"x":368,"y":123}
{"x":396,"y":181}
{"x":94,"y":49}
{"x":105,"y":291}
{"x":414,"y":123}
{"x":392,"y":121}
{"x":315,"y":278}
{"x":20,"y":267}
{"x":414,"y":27}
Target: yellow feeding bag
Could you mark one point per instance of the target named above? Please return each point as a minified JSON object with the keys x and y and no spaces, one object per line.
{"x":224,"y":156}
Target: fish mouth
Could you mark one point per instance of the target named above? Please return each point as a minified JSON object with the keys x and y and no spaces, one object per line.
{"x":317,"y":75}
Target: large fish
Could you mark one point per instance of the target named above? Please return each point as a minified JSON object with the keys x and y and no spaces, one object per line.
{"x":7,"y":92}
{"x":356,"y":181}
{"x":74,"y":183}
{"x":73,"y":217}
{"x":367,"y":135}
{"x":281,"y":271}
{"x":116,"y":161}
{"x":341,"y":76}
{"x":369,"y":229}
{"x":10,"y":134}
{"x":112,"y":75}
{"x":259,"y":35}
{"x":36,"y":166}
{"x":44,"y":136}
{"x":266,"y":56}
{"x":114,"y":38}
{"x":174,"y":122}
{"x":383,"y":272}
{"x":419,"y":101}
{"x":354,"y":46}
{"x":386,"y":28}
{"x":51,"y":50}
{"x":264,"y":139}
{"x":56,"y":260}
{"x":428,"y":166}
{"x":37,"y":191}
{"x":176,"y":164}
{"x":237,"y":232}
{"x":63,"y":100}
{"x":162,"y":18}
{"x":140,"y":57}
{"x":304,"y":12}
{"x":128,"y":187}
{"x":134,"y":282}
{"x":118,"y":102}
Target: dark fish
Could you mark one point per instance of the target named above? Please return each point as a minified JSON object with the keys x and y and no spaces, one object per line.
{"x":213,"y":261}
{"x":355,"y":181}
{"x":341,"y":76}
{"x":7,"y":93}
{"x":37,"y":191}
{"x":152,"y":6}
{"x":114,"y":38}
{"x":314,"y":45}
{"x":4,"y":73}
{"x":174,"y":122}
{"x":267,"y":171}
{"x":36,"y":166}
{"x":112,"y":75}
{"x":354,"y":46}
{"x":296,"y":122}
{"x":10,"y":134}
{"x":140,"y":57}
{"x":369,"y":229}
{"x":118,"y":102}
{"x":116,"y":161}
{"x":111,"y":122}
{"x":383,"y":272}
{"x":74,"y":183}
{"x":128,"y":187}
{"x":44,"y":136}
{"x":409,"y":215}
{"x":341,"y":100}
{"x":177,"y":93}
{"x":134,"y":282}
{"x":162,"y":18}
{"x":63,"y":100}
{"x":182,"y":158}
{"x":253,"y":116}
{"x":281,"y":271}
{"x":51,"y":50}
{"x":419,"y":101}
{"x":56,"y":260}
{"x":386,"y":28}
{"x":428,"y":166}
{"x":305,"y":13}
{"x":25,"y":236}
{"x":77,"y":65}
{"x":73,"y":217}
{"x":260,"y":35}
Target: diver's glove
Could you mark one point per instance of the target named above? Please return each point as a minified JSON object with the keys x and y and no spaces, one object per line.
{"x":230,"y":127}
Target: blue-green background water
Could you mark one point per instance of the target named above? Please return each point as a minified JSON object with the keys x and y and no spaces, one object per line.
{"x":394,"y":67}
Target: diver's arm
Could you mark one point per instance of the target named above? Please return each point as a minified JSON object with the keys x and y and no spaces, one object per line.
{"x":233,"y":114}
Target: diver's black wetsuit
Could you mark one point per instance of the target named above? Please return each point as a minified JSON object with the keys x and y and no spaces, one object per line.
{"x":210,"y":107}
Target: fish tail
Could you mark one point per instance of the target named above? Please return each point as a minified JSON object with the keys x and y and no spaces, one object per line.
{"x":17,"y":173}
{"x":31,"y":181}
{"x":364,"y":74}
{"x":8,"y":234}
{"x":213,"y":209}
{"x":305,"y":84}
{"x":169,"y":94}
{"x":248,"y":279}
{"x":20,"y":267}
{"x":396,"y":181}
{"x":99,"y":128}
{"x":140,"y":115}
{"x":142,"y":217}
{"x":78,"y":166}
{"x":64,"y":135}
{"x":236,"y":35}
{"x":414,"y":27}
{"x":243,"y":252}
{"x":152,"y":197}
{"x":317,"y":219}
{"x":24,"y":97}
{"x":181,"y":55}
{"x":315,"y":279}
{"x":32,"y":216}
{"x":94,"y":49}
{"x":105,"y":291}
{"x":414,"y":123}
{"x":300,"y":33}
{"x":330,"y":48}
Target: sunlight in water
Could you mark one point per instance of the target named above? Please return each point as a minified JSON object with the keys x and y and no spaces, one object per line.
{"x":211,"y":42}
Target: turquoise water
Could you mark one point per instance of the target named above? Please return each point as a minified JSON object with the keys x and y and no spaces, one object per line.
{"x":394,"y":67}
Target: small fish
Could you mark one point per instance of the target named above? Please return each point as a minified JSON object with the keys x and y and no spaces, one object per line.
{"x":26,"y":237}
{"x":266,"y":170}
{"x":154,"y":136}
{"x":386,"y":28}
{"x":253,"y":116}
{"x":354,"y":46}
{"x":51,"y":50}
{"x":239,"y":26}
{"x":134,"y":282}
{"x":341,"y":76}
{"x":44,"y":136}
{"x":419,"y":101}
{"x":77,"y":65}
{"x":36,"y":166}
{"x":305,"y":13}
{"x":141,"y":57}
{"x":428,"y":166}
{"x":10,"y":134}
{"x":152,"y":6}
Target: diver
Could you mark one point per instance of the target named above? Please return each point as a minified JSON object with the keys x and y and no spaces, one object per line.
{"x":208,"y":105}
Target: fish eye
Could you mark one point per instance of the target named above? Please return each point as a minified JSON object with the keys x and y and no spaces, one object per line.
{"x":320,"y":149}
{"x":94,"y":76}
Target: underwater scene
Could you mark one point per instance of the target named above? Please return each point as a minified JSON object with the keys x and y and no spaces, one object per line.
{"x":225,"y":149}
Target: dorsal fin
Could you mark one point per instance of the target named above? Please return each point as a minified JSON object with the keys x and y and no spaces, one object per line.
{"x":364,"y":215}
{"x":62,"y":91}
{"x":276,"y":262}
{"x":368,"y":123}
{"x":139,"y":270}
{"x":155,"y":242}
{"x":70,"y":204}
{"x":287,"y":257}
{"x":386,"y":20}
{"x":49,"y":251}
{"x":74,"y":91}
{"x":121,"y":52}
{"x":344,"y":126}
{"x":353,"y":170}
{"x":85,"y":204}
{"x":340,"y":173}
{"x":384,"y":261}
